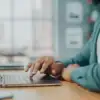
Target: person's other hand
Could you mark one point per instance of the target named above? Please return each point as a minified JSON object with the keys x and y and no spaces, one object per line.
{"x":66,"y":74}
{"x":46,"y":65}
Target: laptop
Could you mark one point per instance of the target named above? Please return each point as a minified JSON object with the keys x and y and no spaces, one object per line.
{"x":21,"y":79}
{"x":12,"y":66}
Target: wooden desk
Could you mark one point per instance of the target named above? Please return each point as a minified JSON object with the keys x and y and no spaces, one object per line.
{"x":68,"y":91}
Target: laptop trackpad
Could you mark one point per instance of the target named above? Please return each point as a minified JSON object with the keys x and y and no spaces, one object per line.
{"x":42,"y":78}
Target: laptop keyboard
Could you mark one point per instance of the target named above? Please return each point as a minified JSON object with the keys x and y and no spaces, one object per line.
{"x":14,"y":79}
{"x":22,"y":79}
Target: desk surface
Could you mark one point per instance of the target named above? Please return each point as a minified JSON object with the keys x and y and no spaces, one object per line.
{"x":68,"y":91}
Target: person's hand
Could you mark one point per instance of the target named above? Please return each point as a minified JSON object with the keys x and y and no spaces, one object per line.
{"x":66,"y":74}
{"x":46,"y":65}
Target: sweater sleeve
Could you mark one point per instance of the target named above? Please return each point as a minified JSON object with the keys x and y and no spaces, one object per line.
{"x":82,"y":58}
{"x":87,"y":76}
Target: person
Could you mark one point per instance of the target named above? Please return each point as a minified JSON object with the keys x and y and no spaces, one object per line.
{"x":83,"y":68}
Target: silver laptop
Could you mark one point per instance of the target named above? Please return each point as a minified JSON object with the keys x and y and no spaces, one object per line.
{"x":11,"y":66}
{"x":22,"y":79}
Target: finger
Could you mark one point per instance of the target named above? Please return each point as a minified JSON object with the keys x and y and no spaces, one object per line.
{"x":36,"y":68}
{"x":44,"y":67}
{"x":31,"y":70}
{"x":40,"y":60}
{"x":27,"y":66}
{"x":46,"y":64}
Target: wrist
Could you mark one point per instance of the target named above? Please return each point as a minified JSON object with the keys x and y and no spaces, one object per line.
{"x":66,"y":74}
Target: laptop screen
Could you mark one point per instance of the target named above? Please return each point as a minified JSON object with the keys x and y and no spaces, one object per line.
{"x":16,"y":62}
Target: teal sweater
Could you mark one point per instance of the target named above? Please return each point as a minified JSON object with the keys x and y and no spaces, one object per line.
{"x":88,"y":74}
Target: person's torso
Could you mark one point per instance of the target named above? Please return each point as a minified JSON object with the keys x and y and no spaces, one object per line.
{"x":95,"y":44}
{"x":98,"y":48}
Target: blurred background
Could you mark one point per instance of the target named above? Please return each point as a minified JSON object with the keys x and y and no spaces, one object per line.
{"x":33,"y":28}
